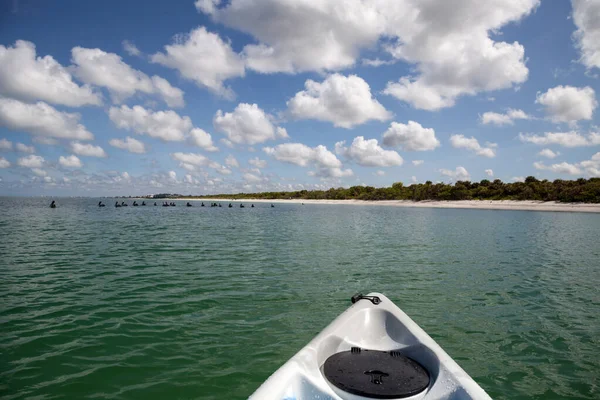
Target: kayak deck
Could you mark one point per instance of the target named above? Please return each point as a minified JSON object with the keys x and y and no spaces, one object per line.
{"x":370,"y":331}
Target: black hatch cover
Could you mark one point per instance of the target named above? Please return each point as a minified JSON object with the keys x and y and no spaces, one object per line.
{"x":376,"y":374}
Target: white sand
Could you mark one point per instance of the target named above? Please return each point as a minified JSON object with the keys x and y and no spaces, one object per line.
{"x":469,"y":204}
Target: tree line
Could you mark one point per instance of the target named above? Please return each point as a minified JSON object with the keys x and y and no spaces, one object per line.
{"x":578,"y":191}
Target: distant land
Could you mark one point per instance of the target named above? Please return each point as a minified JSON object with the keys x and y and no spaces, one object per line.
{"x":560,"y":191}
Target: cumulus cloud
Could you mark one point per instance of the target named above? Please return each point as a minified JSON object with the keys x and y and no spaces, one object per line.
{"x":562,"y":168}
{"x":130,"y":144}
{"x":503,"y":119}
{"x":31,"y":161}
{"x":108,"y":70}
{"x":379,"y":173}
{"x":489,"y":172}
{"x":326,"y":164}
{"x":459,"y":174}
{"x":71,"y":161}
{"x":164,"y":125}
{"x":41,"y":119}
{"x":247,"y":124}
{"x":23,"y":148}
{"x":518,"y":179}
{"x":204,"y":58}
{"x":568,"y":103}
{"x":39,"y":172}
{"x":586,"y":14}
{"x":472,"y":144}
{"x":257,"y":162}
{"x":87,"y":150}
{"x":416,"y":163}
{"x":6,"y":145}
{"x":231,"y":161}
{"x":455,"y":58}
{"x":251,"y":178}
{"x":592,"y":166}
{"x":410,"y":137}
{"x":130,"y":48}
{"x":4,"y":163}
{"x":368,"y":153}
{"x":548,"y":153}
{"x":202,"y":139}
{"x":193,"y":161}
{"x":565,"y":139}
{"x":345,"y":101}
{"x":451,"y":57}
{"x":24,"y":76}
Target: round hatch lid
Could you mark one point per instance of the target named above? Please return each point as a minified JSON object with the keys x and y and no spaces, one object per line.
{"x":376,"y":374}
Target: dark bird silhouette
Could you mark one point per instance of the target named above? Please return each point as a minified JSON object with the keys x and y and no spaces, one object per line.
{"x":117,"y":204}
{"x":230,"y":205}
{"x":123,"y":204}
{"x":100,"y":204}
{"x":53,"y":204}
{"x":143,"y":203}
{"x":202,"y":205}
{"x":188,"y":204}
{"x":135,"y":204}
{"x":252,"y":206}
{"x":272,"y":205}
{"x":241,"y":205}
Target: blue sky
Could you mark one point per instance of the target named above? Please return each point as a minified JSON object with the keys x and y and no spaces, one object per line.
{"x":225,"y":96}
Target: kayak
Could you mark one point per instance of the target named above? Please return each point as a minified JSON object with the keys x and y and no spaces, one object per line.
{"x":373,"y":350}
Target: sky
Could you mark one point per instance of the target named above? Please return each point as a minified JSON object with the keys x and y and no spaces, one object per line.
{"x":226,"y":96}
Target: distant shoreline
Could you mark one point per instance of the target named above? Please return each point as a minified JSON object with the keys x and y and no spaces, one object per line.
{"x":518,"y":205}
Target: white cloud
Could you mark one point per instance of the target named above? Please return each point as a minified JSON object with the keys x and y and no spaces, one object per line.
{"x":377,"y":62}
{"x":459,"y":174}
{"x":251,"y":178}
{"x":489,"y":172}
{"x":130,"y":144}
{"x":472,"y":144}
{"x":31,"y":161}
{"x":87,"y":150}
{"x":230,"y":161}
{"x":22,"y":148}
{"x":592,"y":166}
{"x":344,"y":101}
{"x":548,"y":153}
{"x":190,"y":159}
{"x":204,"y":58}
{"x":379,"y":173}
{"x":568,"y":103}
{"x":410,"y":137}
{"x":562,"y":168}
{"x":6,"y":145}
{"x":503,"y":119}
{"x":41,"y":119}
{"x":257,"y":162}
{"x":416,"y":163}
{"x":247,"y":124}
{"x":414,"y":179}
{"x":586,"y":14}
{"x":26,"y":77}
{"x":108,"y":70}
{"x":173,"y":176}
{"x":326,"y":163}
{"x":48,"y":141}
{"x":131,"y":48}
{"x":202,"y":139}
{"x":452,"y":57}
{"x":368,"y":153}
{"x":565,"y":139}
{"x":4,"y":163}
{"x":518,"y":179}
{"x":70,"y":162}
{"x":455,"y":58}
{"x":164,"y":125}
{"x":39,"y":172}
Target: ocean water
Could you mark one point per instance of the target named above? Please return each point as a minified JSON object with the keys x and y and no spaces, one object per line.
{"x":205,"y":303}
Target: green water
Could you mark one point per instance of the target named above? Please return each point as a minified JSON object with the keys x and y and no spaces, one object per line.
{"x":205,"y":303}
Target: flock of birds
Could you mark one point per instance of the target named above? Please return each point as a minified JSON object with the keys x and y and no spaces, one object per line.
{"x":165,"y":204}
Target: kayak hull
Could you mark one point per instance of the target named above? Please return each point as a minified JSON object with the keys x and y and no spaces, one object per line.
{"x":366,"y":325}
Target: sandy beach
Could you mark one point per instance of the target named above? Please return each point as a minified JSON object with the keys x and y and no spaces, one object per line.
{"x":525,"y":205}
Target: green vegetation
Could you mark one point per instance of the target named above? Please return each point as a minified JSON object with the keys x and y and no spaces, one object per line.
{"x":581,"y":190}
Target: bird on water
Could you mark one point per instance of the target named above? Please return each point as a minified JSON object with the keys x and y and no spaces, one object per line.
{"x":53,"y":204}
